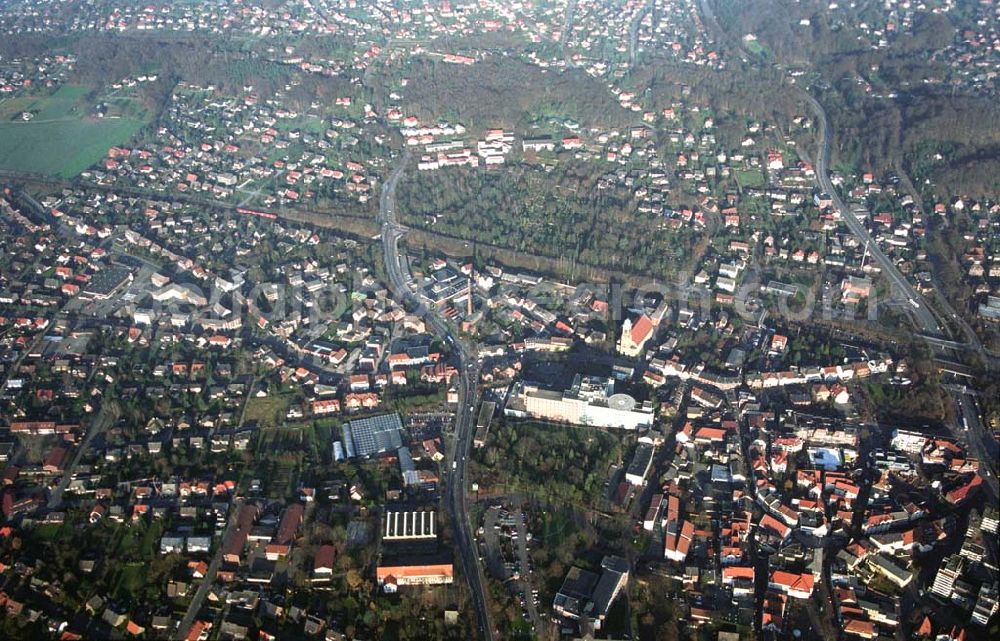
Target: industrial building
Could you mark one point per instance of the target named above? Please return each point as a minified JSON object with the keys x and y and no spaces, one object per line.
{"x":409,"y":525}
{"x":410,"y":554}
{"x":585,"y":594}
{"x":371,"y":436}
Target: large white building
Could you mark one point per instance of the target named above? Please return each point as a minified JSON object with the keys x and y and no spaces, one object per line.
{"x":909,"y":442}
{"x":948,"y":573}
{"x":589,"y":401}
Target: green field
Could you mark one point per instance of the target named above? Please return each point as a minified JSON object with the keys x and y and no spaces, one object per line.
{"x":756,"y":48}
{"x":62,"y":139}
{"x":750,"y":178}
{"x":307,"y":124}
{"x":66,"y":102}
{"x":268,"y":411}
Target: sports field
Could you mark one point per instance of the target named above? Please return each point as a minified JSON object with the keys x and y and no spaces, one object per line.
{"x":63,"y":137}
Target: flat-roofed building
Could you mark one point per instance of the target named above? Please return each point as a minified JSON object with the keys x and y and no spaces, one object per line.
{"x":486,"y":411}
{"x":641,"y":462}
{"x":409,"y":525}
{"x":909,"y":442}
{"x":587,"y":594}
{"x":571,"y":600}
{"x":410,"y":553}
{"x":948,"y":573}
{"x":106,"y":283}
{"x":371,"y":436}
{"x":590,"y":400}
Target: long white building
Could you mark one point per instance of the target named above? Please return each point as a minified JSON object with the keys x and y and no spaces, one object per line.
{"x":589,"y":401}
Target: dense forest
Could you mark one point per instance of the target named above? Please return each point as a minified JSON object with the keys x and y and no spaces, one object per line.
{"x":912,"y":130}
{"x":759,"y":96}
{"x":561,"y":464}
{"x":560,"y":214}
{"x":505,"y":92}
{"x":807,"y":31}
{"x":222,"y":61}
{"x":887,"y":105}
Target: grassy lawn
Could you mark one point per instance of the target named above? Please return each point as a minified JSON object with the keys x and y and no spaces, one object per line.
{"x":307,"y":124}
{"x":64,"y":148}
{"x":520,"y":629}
{"x":62,"y":138}
{"x":268,"y":411}
{"x":140,"y":540}
{"x":756,"y":48}
{"x":751,"y":178}
{"x":417,"y":402}
{"x":131,"y":580}
{"x":282,"y":476}
{"x":280,"y":452}
{"x":12,"y":108}
{"x":556,"y":525}
{"x":50,"y":531}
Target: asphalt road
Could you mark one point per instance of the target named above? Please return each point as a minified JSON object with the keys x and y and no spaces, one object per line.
{"x":463,"y":357}
{"x":981,"y":443}
{"x":901,"y":289}
{"x":979,"y":440}
{"x":633,"y":35}
{"x":213,"y":568}
{"x":520,"y":544}
{"x":105,"y":417}
{"x":465,"y":363}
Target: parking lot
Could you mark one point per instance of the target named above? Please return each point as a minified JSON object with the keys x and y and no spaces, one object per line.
{"x":505,"y":541}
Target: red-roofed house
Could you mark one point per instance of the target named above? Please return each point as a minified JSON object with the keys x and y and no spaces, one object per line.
{"x":860,"y":628}
{"x":323,"y":565}
{"x":678,"y":540}
{"x":740,"y":579}
{"x":635,"y":335}
{"x":963,"y":492}
{"x":771,"y":524}
{"x":797,"y":586}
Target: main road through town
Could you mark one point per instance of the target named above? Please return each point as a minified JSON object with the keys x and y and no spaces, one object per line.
{"x":975,"y":433}
{"x":466,"y":363}
{"x":980,"y":441}
{"x":901,"y":288}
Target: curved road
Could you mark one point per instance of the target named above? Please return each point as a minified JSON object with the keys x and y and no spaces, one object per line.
{"x":468,"y":374}
{"x":927,"y":324}
{"x":975,"y":434}
{"x":983,"y":446}
{"x":901,"y":288}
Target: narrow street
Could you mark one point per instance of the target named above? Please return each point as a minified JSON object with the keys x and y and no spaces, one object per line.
{"x":213,"y":568}
{"x":106,"y":416}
